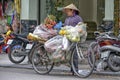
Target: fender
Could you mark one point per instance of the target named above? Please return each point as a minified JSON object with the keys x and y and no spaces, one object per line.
{"x":109,"y":47}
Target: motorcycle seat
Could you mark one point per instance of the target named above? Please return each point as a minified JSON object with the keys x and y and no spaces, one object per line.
{"x":114,"y":37}
{"x":23,"y":39}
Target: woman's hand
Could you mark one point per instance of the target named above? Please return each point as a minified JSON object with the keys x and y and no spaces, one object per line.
{"x":80,"y":30}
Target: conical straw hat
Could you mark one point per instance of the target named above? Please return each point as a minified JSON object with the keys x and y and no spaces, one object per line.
{"x":71,"y":6}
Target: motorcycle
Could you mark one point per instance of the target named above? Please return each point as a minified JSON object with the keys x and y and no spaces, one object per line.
{"x":3,"y":46}
{"x":20,"y":47}
{"x":102,"y":39}
{"x":106,"y":26}
{"x":101,"y":57}
{"x":113,"y":48}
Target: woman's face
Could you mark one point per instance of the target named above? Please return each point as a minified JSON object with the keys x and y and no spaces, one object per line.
{"x":69,"y":12}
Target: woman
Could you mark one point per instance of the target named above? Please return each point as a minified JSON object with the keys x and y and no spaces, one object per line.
{"x":72,"y":19}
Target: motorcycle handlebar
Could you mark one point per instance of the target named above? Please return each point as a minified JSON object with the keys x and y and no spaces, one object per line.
{"x":97,"y":33}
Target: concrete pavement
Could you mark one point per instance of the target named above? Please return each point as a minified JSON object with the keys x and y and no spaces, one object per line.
{"x":5,"y":62}
{"x":26,"y":74}
{"x":24,"y":71}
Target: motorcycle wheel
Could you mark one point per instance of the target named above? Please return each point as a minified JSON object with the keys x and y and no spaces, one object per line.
{"x":40,"y":61}
{"x":13,"y":55}
{"x":83,"y":69}
{"x":111,"y":64}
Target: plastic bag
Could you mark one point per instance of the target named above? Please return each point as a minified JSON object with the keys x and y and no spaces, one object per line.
{"x":43,"y":32}
{"x":57,"y":55}
{"x":71,"y":33}
{"x":65,"y":43}
{"x":83,"y":38}
{"x":81,"y":26}
{"x":101,"y":65}
{"x":35,"y":38}
{"x":75,"y":34}
{"x":52,"y":44}
{"x":83,"y":34}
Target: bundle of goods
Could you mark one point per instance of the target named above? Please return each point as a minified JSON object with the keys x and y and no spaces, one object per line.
{"x":50,"y":21}
{"x":75,"y":34}
{"x":58,"y":44}
{"x":58,"y":41}
{"x":44,"y":31}
{"x":55,"y":46}
{"x":52,"y":44}
{"x":35,"y":38}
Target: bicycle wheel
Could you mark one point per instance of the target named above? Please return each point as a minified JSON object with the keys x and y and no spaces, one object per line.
{"x":40,"y":61}
{"x":32,"y":51}
{"x":80,"y":64}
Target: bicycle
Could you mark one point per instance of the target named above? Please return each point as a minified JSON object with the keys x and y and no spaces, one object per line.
{"x":43,"y":62}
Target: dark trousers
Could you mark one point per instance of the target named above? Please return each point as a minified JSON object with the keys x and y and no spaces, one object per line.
{"x":75,"y":60}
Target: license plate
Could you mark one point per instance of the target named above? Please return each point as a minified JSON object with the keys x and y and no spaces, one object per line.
{"x":105,"y":54}
{"x":9,"y":41}
{"x":29,"y":46}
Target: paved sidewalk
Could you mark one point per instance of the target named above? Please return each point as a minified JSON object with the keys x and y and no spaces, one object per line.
{"x":5,"y":62}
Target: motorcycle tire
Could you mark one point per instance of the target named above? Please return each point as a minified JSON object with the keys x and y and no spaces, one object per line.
{"x":12,"y":56}
{"x":113,"y":66}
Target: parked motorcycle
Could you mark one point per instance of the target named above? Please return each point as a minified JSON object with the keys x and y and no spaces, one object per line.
{"x":101,"y":57}
{"x":20,"y":47}
{"x":113,"y":48}
{"x":106,"y":26}
{"x":2,"y":45}
{"x":101,"y":40}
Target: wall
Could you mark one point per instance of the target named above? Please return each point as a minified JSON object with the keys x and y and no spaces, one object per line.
{"x":29,"y":9}
{"x":94,"y":11}
{"x":42,"y":10}
{"x":88,"y":9}
{"x":33,"y":9}
{"x":24,"y":9}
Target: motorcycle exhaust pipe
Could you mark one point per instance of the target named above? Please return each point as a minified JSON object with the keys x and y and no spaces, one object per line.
{"x":109,"y":47}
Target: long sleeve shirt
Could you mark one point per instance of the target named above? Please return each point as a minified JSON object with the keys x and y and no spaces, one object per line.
{"x":73,"y":20}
